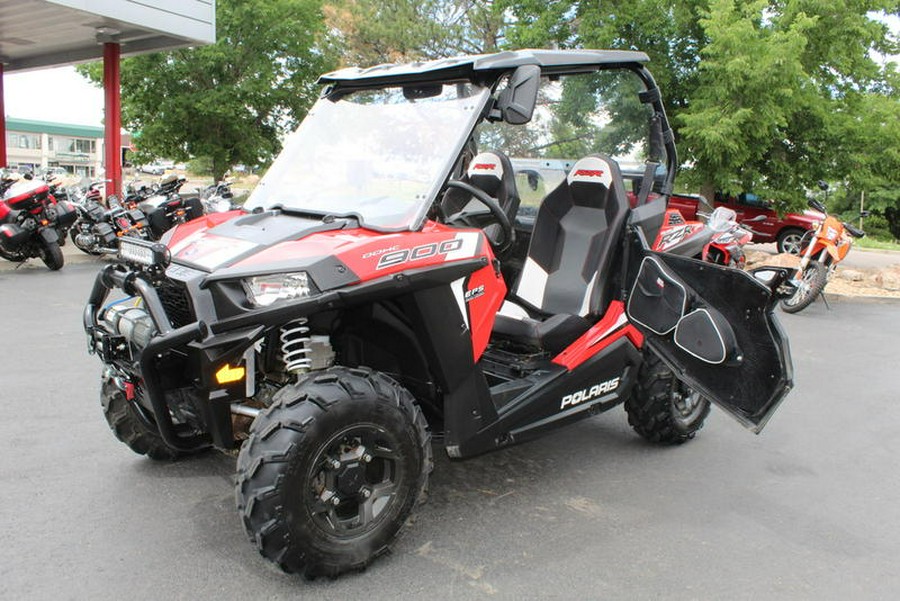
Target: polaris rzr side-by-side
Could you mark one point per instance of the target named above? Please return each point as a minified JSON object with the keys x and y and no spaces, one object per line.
{"x":381,"y":292}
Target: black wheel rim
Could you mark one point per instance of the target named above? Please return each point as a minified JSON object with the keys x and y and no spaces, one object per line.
{"x":354,"y":480}
{"x":687,"y":404}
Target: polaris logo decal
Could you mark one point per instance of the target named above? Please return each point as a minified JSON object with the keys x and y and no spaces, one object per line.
{"x":576,"y":398}
{"x":398,"y":257}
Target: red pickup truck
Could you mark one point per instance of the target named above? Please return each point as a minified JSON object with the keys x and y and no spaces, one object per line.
{"x":786,"y":231}
{"x":536,"y":177}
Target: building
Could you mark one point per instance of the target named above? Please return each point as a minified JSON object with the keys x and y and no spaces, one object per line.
{"x":36,"y":145}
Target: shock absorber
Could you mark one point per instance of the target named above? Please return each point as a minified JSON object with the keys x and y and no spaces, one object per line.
{"x":295,"y":346}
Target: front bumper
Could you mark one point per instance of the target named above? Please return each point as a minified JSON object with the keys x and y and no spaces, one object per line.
{"x":114,"y":349}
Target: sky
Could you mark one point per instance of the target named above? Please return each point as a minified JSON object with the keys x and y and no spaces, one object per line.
{"x":60,"y":95}
{"x":64,"y":96}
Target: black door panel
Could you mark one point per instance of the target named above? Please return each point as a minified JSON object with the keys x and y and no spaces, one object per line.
{"x":727,"y":344}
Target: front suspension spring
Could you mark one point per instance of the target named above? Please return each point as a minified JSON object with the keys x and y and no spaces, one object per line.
{"x":295,"y":346}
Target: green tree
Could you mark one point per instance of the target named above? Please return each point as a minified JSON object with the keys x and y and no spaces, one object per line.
{"x":371,"y":32}
{"x":767,"y":96}
{"x":230,"y":101}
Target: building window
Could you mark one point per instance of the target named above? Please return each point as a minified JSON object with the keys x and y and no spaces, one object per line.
{"x":28,"y":141}
{"x":81,"y":145}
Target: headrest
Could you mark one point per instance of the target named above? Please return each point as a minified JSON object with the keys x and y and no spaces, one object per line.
{"x":486,"y":172}
{"x":592,"y":170}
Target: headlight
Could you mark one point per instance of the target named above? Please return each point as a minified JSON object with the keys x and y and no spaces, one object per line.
{"x":264,"y":290}
{"x":143,"y":252}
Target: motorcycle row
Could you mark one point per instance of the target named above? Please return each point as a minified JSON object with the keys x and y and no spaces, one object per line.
{"x":38,"y":215}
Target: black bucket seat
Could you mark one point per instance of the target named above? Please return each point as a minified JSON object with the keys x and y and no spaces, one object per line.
{"x":492,"y":172}
{"x":563,"y":287}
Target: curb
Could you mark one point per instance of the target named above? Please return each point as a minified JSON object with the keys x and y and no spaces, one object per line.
{"x":861,"y":298}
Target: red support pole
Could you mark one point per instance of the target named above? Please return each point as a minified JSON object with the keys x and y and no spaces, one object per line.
{"x":113,"y":118}
{"x":2,"y":122}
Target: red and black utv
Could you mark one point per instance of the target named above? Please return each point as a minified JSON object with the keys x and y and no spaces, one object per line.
{"x":377,"y":294}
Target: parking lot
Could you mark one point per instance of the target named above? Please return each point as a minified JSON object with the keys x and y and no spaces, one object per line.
{"x":806,"y":510}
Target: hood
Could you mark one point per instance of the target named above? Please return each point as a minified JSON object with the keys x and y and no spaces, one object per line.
{"x":223,"y":240}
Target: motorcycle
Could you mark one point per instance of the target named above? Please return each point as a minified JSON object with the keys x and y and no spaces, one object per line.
{"x":32,"y":220}
{"x":217,"y":198}
{"x":98,"y":228}
{"x":822,"y":249}
{"x":720,"y":240}
{"x":165,"y":207}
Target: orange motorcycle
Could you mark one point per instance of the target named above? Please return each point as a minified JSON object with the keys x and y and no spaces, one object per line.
{"x":822,"y":249}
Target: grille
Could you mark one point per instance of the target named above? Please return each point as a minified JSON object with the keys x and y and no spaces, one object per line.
{"x":175,"y":300}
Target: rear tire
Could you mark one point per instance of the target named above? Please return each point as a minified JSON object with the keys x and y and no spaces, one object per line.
{"x":661,"y":407}
{"x":812,"y":282}
{"x":52,"y":256}
{"x":332,"y":470}
{"x":132,"y":428}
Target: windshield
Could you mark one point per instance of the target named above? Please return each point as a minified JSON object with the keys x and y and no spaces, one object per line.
{"x":378,"y":155}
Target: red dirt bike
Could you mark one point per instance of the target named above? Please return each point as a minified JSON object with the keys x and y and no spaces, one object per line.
{"x":822,"y":250}
{"x":32,"y":222}
{"x":720,"y":240}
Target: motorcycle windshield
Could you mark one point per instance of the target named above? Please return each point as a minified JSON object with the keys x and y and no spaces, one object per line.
{"x":379,"y":155}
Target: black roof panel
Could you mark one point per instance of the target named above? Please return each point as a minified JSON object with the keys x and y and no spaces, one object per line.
{"x":557,"y":61}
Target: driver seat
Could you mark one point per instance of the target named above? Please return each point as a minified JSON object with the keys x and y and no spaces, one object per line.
{"x":563,"y":287}
{"x":493,"y":173}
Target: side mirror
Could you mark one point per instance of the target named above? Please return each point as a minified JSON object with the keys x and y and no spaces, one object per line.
{"x":516,"y":102}
{"x":823,"y":185}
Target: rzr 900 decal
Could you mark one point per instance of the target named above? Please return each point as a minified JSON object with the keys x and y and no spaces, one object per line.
{"x":417,"y":253}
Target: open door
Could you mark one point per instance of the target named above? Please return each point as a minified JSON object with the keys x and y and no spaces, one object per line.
{"x":715,"y":327}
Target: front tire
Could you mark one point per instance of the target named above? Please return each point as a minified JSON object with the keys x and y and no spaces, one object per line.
{"x":132,"y":428}
{"x":662,"y":408}
{"x":52,"y":256}
{"x":812,"y":282}
{"x":332,"y":470}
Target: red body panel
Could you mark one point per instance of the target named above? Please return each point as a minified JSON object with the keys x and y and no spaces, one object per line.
{"x":675,"y":230}
{"x":370,"y":255}
{"x":612,"y":327}
{"x":483,"y":294}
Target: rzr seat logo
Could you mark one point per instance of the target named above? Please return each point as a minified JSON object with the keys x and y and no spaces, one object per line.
{"x":576,"y":398}
{"x":418,"y":253}
{"x":589,"y":173}
{"x":484,"y":167}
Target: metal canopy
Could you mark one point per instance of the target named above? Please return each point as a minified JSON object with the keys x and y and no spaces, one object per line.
{"x":45,"y":33}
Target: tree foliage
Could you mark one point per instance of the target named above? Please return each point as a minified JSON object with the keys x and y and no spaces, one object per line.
{"x":230,"y":101}
{"x":768,"y":95}
{"x":371,"y":32}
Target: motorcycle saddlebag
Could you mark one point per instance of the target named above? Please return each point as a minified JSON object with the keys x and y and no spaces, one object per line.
{"x":105,"y":234}
{"x":12,"y":236}
{"x":137,"y":216}
{"x":66,"y":214}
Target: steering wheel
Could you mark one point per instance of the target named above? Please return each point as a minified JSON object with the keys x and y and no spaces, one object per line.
{"x":496,"y":216}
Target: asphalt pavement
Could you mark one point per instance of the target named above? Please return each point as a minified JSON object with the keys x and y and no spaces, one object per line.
{"x":806,"y":510}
